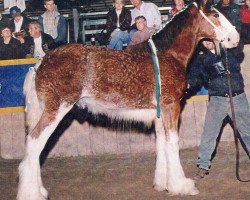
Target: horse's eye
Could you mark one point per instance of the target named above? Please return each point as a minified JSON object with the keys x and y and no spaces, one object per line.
{"x":216,"y":15}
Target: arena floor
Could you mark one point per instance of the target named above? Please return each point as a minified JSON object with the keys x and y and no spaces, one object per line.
{"x":127,"y":177}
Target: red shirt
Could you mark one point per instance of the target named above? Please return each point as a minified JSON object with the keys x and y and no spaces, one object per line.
{"x":173,"y":11}
{"x":245,"y":14}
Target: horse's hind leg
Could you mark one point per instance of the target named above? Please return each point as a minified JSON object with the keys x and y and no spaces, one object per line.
{"x":30,"y":182}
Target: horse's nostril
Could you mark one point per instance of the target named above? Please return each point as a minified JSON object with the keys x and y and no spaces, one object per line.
{"x":228,"y":39}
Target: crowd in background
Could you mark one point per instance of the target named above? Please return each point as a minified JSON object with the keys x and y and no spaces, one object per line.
{"x":21,"y":37}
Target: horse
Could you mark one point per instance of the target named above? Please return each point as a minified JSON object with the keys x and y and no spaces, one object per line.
{"x":120,"y":85}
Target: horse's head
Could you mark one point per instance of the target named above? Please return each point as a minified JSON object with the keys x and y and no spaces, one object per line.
{"x":222,"y":31}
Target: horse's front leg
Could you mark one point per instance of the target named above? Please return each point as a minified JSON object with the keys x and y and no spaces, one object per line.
{"x":169,"y":174}
{"x":160,"y":180}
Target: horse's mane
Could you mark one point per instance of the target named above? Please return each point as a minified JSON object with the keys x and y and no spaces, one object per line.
{"x":164,"y":38}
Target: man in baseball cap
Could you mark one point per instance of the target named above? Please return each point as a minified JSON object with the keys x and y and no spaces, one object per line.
{"x":15,"y":11}
{"x":19,"y":22}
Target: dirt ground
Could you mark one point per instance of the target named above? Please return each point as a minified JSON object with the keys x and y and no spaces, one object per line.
{"x":127,"y":177}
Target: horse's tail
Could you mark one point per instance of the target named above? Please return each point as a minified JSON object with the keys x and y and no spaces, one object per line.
{"x":33,"y":108}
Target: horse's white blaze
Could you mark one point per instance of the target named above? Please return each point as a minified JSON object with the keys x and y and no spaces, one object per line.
{"x":177,"y":183}
{"x":230,"y":37}
{"x":30,"y":182}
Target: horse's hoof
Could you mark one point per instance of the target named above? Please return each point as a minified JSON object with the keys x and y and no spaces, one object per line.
{"x":195,"y":191}
{"x":159,"y":188}
{"x":44,"y":192}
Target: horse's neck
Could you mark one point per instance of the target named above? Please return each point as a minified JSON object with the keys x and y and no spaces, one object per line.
{"x":183,"y":47}
{"x":184,"y":44}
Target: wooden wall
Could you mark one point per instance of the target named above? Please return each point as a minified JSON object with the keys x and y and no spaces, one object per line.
{"x":86,"y":139}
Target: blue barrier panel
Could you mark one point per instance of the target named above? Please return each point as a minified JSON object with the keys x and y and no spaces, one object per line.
{"x":11,"y":83}
{"x":12,"y":75}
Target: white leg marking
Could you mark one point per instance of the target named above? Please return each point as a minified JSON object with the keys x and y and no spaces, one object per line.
{"x":160,"y":180}
{"x":30,"y":183}
{"x":177,"y":182}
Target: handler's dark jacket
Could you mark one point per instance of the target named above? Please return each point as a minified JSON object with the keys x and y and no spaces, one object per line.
{"x":124,"y":20}
{"x":208,"y":69}
{"x":48,"y":43}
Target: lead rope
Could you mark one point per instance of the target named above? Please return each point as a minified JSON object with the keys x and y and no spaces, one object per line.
{"x":157,"y":76}
{"x":236,"y":136}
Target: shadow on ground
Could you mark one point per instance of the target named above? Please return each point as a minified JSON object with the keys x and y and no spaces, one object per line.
{"x":130,"y":177}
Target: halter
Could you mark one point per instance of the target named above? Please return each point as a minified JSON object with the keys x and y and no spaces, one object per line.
{"x":211,"y":23}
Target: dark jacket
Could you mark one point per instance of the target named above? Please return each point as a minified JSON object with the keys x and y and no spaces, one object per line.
{"x":4,"y":22}
{"x":13,"y":50}
{"x":245,"y":33}
{"x":48,"y":43}
{"x":61,"y":29}
{"x":209,"y":69}
{"x":124,"y":20}
{"x":231,"y":12}
{"x":25,"y":24}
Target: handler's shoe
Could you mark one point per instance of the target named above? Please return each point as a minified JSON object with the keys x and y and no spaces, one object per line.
{"x":201,"y":173}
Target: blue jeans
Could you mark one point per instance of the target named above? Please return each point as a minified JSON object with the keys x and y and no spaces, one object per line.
{"x":132,"y":32}
{"x":218,"y":109}
{"x":117,"y":41}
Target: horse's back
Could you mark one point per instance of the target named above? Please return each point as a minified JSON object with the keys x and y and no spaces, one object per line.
{"x":73,"y":71}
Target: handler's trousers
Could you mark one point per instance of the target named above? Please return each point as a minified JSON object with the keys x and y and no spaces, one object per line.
{"x":218,"y":109}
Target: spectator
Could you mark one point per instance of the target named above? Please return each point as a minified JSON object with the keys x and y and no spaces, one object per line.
{"x":209,"y":68}
{"x":143,"y":33}
{"x":118,"y":25}
{"x":179,"y":4}
{"x":10,"y":3}
{"x":18,"y":22}
{"x":231,"y":11}
{"x":10,"y":47}
{"x":245,"y":19}
{"x":149,"y":10}
{"x":3,"y":20}
{"x":38,"y":43}
{"x":53,"y":23}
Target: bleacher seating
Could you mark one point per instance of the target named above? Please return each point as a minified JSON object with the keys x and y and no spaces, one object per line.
{"x":92,"y":23}
{"x":92,"y":16}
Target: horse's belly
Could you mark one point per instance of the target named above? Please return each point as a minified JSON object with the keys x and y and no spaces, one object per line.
{"x":116,"y":112}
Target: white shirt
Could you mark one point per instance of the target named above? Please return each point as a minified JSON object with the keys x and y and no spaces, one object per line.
{"x":18,"y":24}
{"x":19,"y":3}
{"x":150,"y":11}
{"x":118,"y":12}
{"x":38,"y":51}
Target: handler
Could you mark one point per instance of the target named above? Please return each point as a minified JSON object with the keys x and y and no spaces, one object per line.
{"x":208,"y":68}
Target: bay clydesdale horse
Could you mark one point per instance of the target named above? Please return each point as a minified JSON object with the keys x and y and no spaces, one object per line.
{"x":121,"y":85}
